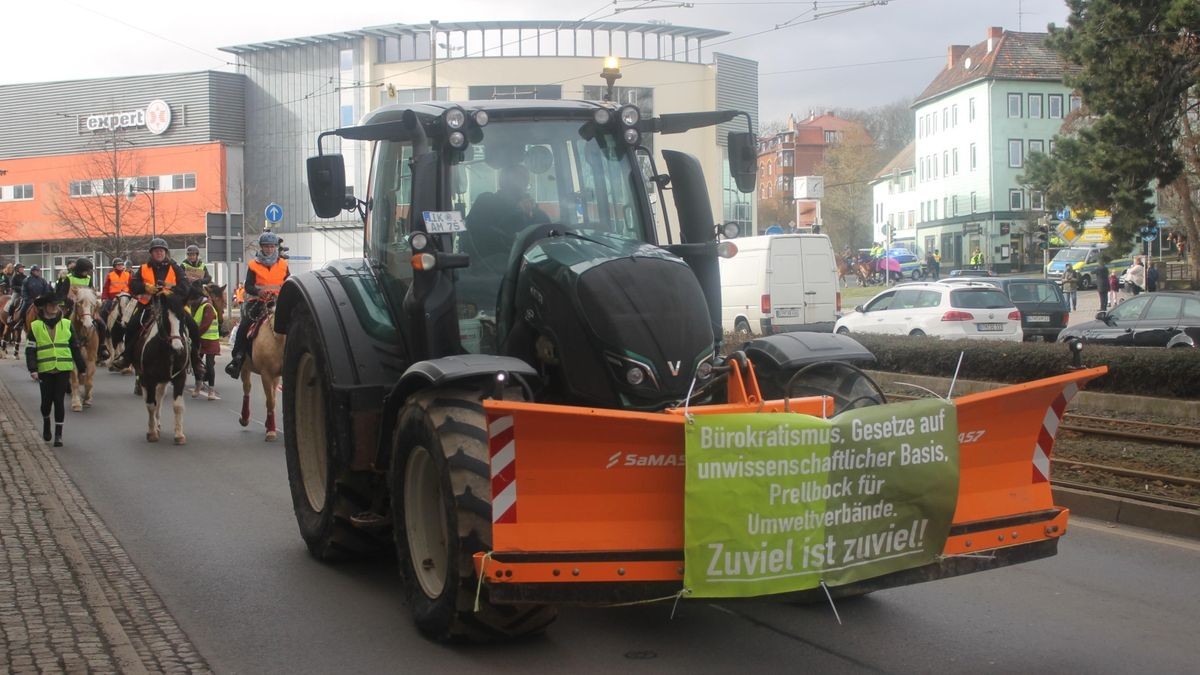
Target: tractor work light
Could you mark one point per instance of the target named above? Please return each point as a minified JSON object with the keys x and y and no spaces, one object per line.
{"x":602,"y":116}
{"x":457,"y":140}
{"x":630,"y":115}
{"x":455,"y":118}
{"x":481,"y":118}
{"x":727,"y":249}
{"x":418,"y":241}
{"x":631,"y":136}
{"x":423,"y":262}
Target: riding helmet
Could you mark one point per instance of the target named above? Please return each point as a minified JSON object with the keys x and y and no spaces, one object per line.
{"x":193,"y":249}
{"x":159,"y":242}
{"x":268,"y":239}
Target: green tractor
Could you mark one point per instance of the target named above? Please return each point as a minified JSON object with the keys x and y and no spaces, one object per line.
{"x":513,"y":249}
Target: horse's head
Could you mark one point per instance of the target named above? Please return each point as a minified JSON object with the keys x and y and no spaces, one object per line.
{"x":165,"y":311}
{"x":216,"y":296}
{"x":83,"y":315}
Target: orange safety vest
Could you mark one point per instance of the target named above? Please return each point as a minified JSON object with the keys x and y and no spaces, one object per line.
{"x":269,"y":278}
{"x":118,"y":282}
{"x":149,"y":280}
{"x":239,"y":294}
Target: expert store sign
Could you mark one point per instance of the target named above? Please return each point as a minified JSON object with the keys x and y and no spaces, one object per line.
{"x":155,"y":117}
{"x":776,"y":503}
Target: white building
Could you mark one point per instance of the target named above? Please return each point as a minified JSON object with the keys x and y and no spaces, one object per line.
{"x":894,"y":197}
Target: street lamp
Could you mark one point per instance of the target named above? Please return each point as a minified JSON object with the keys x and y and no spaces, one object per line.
{"x":611,"y":73}
{"x":131,"y":190}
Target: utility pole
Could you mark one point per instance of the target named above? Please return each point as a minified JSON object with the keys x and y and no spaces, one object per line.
{"x":433,"y":60}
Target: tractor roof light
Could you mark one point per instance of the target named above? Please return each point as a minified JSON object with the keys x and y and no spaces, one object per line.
{"x":630,"y":115}
{"x":602,"y":116}
{"x":418,"y":241}
{"x":631,"y":136}
{"x":481,"y":118}
{"x":455,"y":118}
{"x":457,"y":140}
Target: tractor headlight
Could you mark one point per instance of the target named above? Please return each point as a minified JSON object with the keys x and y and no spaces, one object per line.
{"x":481,"y":118}
{"x":457,"y":140}
{"x":635,"y":376}
{"x":455,"y":118}
{"x":631,"y":136}
{"x":418,"y":241}
{"x":630,"y":115}
{"x":602,"y":116}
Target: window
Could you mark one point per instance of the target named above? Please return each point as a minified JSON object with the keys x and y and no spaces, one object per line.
{"x":146,"y":182}
{"x":954,"y":115}
{"x":1036,"y":146}
{"x":1036,"y":202}
{"x":1191,"y":309}
{"x":945,"y":118}
{"x":1054,"y":102}
{"x":923,"y":218}
{"x":954,"y":205}
{"x":974,"y":203}
{"x":954,"y":160}
{"x":513,"y":91}
{"x":1035,"y":105}
{"x":912,"y":217}
{"x":1014,"y":105}
{"x":22,"y":191}
{"x":1016,"y":153}
{"x":788,"y":156}
{"x":971,"y":160}
{"x":945,"y":207}
{"x":945,"y":162}
{"x":1131,"y":309}
{"x":1076,"y":103}
{"x":347,"y":115}
{"x":1164,"y":308}
{"x":971,"y":109}
{"x":1014,"y":200}
{"x":81,"y":188}
{"x":934,"y":163}
{"x":833,"y":137}
{"x":346,"y":59}
{"x":183,"y":181}
{"x":880,"y":303}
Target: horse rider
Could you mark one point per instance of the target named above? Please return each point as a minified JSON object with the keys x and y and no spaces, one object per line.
{"x":264,"y":277}
{"x":52,"y":354}
{"x":81,"y":275}
{"x":34,"y":287}
{"x":115,"y":283}
{"x":194,"y":268}
{"x":16,"y":284}
{"x":6,"y":279}
{"x":159,"y":274}
{"x":209,"y":321}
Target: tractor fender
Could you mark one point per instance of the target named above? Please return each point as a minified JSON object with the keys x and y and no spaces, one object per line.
{"x":364,"y":351}
{"x":438,"y":373}
{"x":786,"y":351}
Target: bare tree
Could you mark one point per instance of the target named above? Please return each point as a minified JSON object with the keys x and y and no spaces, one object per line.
{"x":95,"y":210}
{"x":846,"y":209}
{"x":892,"y":125}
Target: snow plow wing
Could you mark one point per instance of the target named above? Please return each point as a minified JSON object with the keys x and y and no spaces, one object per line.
{"x":588,"y":505}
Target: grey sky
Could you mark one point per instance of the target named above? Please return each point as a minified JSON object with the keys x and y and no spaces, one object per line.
{"x":62,"y":39}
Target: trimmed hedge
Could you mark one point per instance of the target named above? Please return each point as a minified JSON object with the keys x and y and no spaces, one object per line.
{"x":1144,"y":371}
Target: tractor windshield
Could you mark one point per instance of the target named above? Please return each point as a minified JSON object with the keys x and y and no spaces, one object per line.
{"x":522,"y":174}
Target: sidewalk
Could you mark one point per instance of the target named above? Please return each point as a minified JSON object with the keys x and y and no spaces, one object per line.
{"x":71,"y":601}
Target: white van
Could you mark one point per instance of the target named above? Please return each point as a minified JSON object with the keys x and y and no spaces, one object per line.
{"x":780,"y":283}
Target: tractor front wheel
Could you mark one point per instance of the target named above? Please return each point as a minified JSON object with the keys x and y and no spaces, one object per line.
{"x":442,"y":515}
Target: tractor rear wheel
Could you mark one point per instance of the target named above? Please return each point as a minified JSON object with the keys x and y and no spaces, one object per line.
{"x":848,"y":386}
{"x":442,"y":515}
{"x":326,"y":494}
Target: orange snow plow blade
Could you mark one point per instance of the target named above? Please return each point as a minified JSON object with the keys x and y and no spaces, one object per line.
{"x":587,"y":504}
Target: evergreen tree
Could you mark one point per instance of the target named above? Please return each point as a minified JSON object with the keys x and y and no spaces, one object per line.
{"x":1136,"y":63}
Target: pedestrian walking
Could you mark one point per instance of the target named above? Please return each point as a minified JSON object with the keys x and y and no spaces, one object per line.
{"x":1114,"y":290}
{"x":1070,"y":286}
{"x":937,"y":264}
{"x":1136,"y":276}
{"x":1151,"y":278}
{"x":977,"y":259}
{"x":1103,"y":283}
{"x":210,"y":340}
{"x":52,"y":354}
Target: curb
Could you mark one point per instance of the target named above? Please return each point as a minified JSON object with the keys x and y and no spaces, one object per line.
{"x":1157,"y":517}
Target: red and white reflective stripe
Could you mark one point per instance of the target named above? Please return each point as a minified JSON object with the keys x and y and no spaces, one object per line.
{"x":502,"y":448}
{"x":1045,"y":442}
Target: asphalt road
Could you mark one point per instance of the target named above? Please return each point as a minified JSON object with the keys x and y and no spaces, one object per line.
{"x":210,"y":525}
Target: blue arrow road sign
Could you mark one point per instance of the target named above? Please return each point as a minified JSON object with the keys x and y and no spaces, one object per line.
{"x":274,"y":213}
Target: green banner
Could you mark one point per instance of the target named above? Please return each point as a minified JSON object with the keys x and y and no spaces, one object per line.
{"x":778,"y":502}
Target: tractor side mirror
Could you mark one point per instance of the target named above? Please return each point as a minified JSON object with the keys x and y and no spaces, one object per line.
{"x":327,"y":185}
{"x":743,"y":159}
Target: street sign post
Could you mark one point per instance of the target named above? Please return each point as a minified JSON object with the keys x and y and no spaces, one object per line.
{"x":273,"y":213}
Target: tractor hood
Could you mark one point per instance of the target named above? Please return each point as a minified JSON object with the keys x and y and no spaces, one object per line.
{"x":626,"y":322}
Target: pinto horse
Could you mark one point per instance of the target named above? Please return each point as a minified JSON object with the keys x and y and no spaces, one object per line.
{"x":120,"y":311}
{"x":83,"y":327}
{"x":265,"y":360}
{"x":161,"y":356}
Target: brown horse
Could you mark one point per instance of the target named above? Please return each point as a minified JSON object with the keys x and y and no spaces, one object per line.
{"x":265,"y":360}
{"x":83,"y":327}
{"x":4,"y":324}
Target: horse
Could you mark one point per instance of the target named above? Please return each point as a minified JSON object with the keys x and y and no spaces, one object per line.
{"x":216,"y":297}
{"x":117,"y":321}
{"x":83,"y":327}
{"x":161,"y":355}
{"x":12,"y":330}
{"x":265,"y":359}
{"x":4,"y":324}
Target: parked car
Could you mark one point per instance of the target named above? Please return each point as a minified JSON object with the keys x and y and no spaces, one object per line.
{"x":780,"y":283}
{"x":1044,"y":310}
{"x":1159,"y":319}
{"x":911,"y":266}
{"x":977,"y":310}
{"x":972,"y":273}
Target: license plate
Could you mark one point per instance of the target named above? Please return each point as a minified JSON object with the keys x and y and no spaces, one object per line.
{"x":1037,"y":318}
{"x":990,"y":327}
{"x":787,"y":312}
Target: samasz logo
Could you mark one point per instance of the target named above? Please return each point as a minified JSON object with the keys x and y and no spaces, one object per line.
{"x":633,"y":459}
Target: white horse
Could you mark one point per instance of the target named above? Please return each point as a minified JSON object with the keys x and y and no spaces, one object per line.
{"x":83,"y":326}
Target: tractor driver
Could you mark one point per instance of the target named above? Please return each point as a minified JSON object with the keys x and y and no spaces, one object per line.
{"x":497,"y":217}
{"x":264,"y":278}
{"x":159,"y":274}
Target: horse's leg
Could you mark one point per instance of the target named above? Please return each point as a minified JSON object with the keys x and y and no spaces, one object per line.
{"x":152,"y":410}
{"x":245,"y":418}
{"x":178,"y":385}
{"x":160,"y":391}
{"x":89,"y":378}
{"x":76,"y":386}
{"x":268,"y":383}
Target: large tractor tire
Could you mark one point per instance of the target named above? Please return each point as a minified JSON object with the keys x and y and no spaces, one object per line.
{"x":326,"y":494}
{"x":848,"y":386}
{"x":442,"y":515}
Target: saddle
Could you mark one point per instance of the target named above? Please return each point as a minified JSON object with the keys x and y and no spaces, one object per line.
{"x":252,"y":331}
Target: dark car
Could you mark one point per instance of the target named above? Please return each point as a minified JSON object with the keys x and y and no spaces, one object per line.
{"x":972,"y":273}
{"x":1044,"y":311}
{"x":1160,"y":319}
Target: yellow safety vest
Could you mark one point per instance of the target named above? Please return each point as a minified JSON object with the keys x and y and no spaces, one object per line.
{"x":53,"y":354}
{"x":79,"y":281}
{"x":213,"y":332}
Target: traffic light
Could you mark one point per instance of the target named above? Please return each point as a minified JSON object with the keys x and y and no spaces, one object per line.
{"x":1042,"y":236}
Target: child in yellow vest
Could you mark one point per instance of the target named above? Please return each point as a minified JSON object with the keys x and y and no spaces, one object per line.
{"x":53,"y":353}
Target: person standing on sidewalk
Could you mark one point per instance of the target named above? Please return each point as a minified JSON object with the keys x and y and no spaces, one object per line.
{"x":53,"y":353}
{"x":1070,"y":285}
{"x":1136,"y":276}
{"x":1151,"y":278}
{"x":1102,"y":281}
